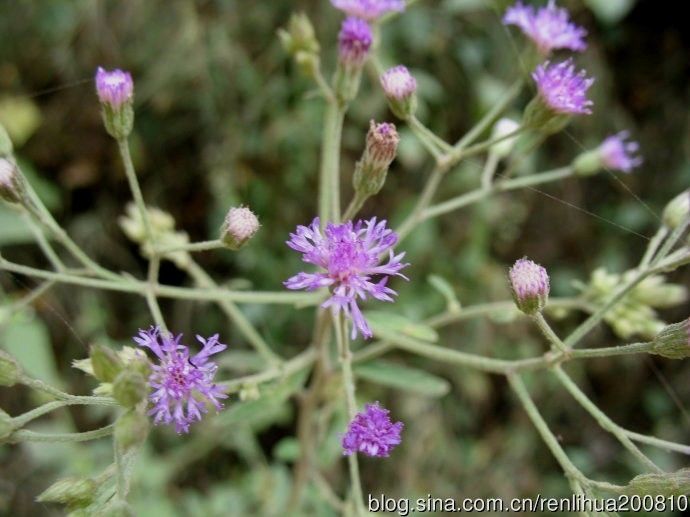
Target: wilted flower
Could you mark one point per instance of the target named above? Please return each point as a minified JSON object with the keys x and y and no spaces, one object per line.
{"x":354,"y":41}
{"x":182,"y":385}
{"x":371,"y":432}
{"x":400,"y":88}
{"x":530,"y":285}
{"x":115,"y":87}
{"x":617,"y":154}
{"x":562,"y":89}
{"x":350,"y":254}
{"x":239,"y":226}
{"x":368,"y":9}
{"x":548,"y":27}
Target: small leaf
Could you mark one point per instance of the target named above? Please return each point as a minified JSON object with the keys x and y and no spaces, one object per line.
{"x":403,"y":378}
{"x":401,"y":325}
{"x":443,"y":286}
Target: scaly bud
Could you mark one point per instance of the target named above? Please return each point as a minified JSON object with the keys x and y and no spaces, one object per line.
{"x":72,"y":491}
{"x":667,"y":484}
{"x":673,"y":342}
{"x":530,"y":285}
{"x":105,"y":362}
{"x":129,"y":388}
{"x":11,"y":183}
{"x":115,"y":90}
{"x":10,"y":371}
{"x":400,"y":89}
{"x":677,"y":210}
{"x":131,"y":429}
{"x":379,"y":152}
{"x":240,"y":225}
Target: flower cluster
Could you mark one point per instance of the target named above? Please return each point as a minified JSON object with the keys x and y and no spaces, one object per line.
{"x":182,"y":384}
{"x":371,"y":432}
{"x":350,"y":255}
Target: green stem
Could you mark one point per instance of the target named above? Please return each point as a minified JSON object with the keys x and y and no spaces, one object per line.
{"x":355,"y":206}
{"x":658,"y":442}
{"x":603,"y":420}
{"x":434,"y":144}
{"x":43,"y":243}
{"x":289,"y":367}
{"x":24,"y":435}
{"x":329,"y":187}
{"x":131,"y":174}
{"x":415,"y":217}
{"x":653,"y":246}
{"x":151,"y":300}
{"x":549,"y":334}
{"x":192,"y":246}
{"x":489,"y":170}
{"x":458,"y":154}
{"x":120,"y":470}
{"x":23,"y":419}
{"x":61,"y":395}
{"x":672,"y":240}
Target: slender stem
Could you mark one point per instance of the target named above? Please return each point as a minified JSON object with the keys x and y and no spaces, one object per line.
{"x":192,"y":246}
{"x":434,"y":144}
{"x":120,"y":470}
{"x":355,"y":206}
{"x":245,"y":326}
{"x":423,"y":202}
{"x":23,"y":419}
{"x":603,"y":420}
{"x":672,"y":240}
{"x":61,"y":395}
{"x":653,"y":245}
{"x":329,"y":184}
{"x":25,"y":301}
{"x":489,"y":170}
{"x":151,"y":300}
{"x":549,"y":334}
{"x":24,"y":435}
{"x":459,"y":153}
{"x":633,"y":348}
{"x":351,"y":402}
{"x":658,"y":442}
{"x":43,"y":243}
{"x":285,"y":369}
{"x":123,"y":146}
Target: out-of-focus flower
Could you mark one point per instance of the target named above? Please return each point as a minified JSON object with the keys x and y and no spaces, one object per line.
{"x":368,"y":9}
{"x":529,"y":283}
{"x":400,"y":88}
{"x":11,"y":183}
{"x":350,"y":254}
{"x":115,"y":90}
{"x":239,"y":226}
{"x":618,"y":154}
{"x":562,"y":89}
{"x":354,"y":42}
{"x":371,"y":432}
{"x":181,"y":384}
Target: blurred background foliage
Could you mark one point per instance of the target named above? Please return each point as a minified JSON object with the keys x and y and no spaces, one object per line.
{"x":223,"y":118}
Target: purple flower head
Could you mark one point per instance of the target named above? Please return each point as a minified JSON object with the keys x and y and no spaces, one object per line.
{"x":619,"y":155}
{"x":350,"y":255}
{"x":181,"y":384}
{"x":548,"y":27}
{"x":354,"y":41}
{"x":114,"y":88}
{"x":530,"y":285}
{"x":371,"y":432}
{"x":562,"y":89}
{"x":368,"y":9}
{"x":398,"y":83}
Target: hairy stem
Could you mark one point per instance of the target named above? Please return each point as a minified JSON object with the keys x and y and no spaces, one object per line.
{"x":329,"y":184}
{"x":24,"y":435}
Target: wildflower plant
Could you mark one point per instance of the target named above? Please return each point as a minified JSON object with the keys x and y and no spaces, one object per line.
{"x":354,"y":260}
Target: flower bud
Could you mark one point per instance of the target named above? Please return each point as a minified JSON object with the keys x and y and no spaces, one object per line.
{"x":72,"y":491}
{"x":5,"y":143}
{"x":11,"y":183}
{"x":240,"y":225}
{"x":379,"y":151}
{"x":129,"y":388}
{"x":400,"y":89}
{"x":131,"y":429}
{"x":105,"y":362}
{"x":677,"y":210}
{"x":587,"y":163}
{"x":354,"y":41}
{"x":502,"y":128}
{"x":10,"y":371}
{"x":6,"y":426}
{"x":667,"y":484}
{"x":530,"y":285}
{"x":115,"y":90}
{"x":299,"y":36}
{"x":614,"y":154}
{"x":673,"y":342}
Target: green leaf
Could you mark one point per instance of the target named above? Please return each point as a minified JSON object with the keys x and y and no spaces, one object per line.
{"x":401,"y":325}
{"x":29,"y":343}
{"x":403,"y":378}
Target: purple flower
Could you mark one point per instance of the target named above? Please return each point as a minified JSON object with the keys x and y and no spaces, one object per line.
{"x":114,"y":88}
{"x":354,"y":41}
{"x":619,"y":155}
{"x":368,"y":9}
{"x":548,"y":27}
{"x":182,"y":385}
{"x":350,"y":254}
{"x":398,"y":83}
{"x":372,"y":433}
{"x":530,"y":285}
{"x":563,"y":90}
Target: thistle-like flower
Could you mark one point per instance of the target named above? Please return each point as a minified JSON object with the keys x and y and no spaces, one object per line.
{"x":530,"y":285}
{"x":350,"y":254}
{"x":181,"y":384}
{"x":239,"y":226}
{"x":371,"y":432}
{"x":562,"y":89}
{"x":400,"y":88}
{"x":618,"y":154}
{"x":548,"y":27}
{"x":115,"y":90}
{"x":354,"y":41}
{"x":380,"y":150}
{"x":368,"y":9}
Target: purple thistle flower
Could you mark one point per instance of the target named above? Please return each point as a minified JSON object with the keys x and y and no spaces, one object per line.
{"x":617,"y":154}
{"x":114,"y":88}
{"x":398,"y":83}
{"x":354,"y":41}
{"x":530,"y":285}
{"x":371,"y":432}
{"x":563,"y":90}
{"x":182,"y":385}
{"x":368,"y":9}
{"x":548,"y":27}
{"x":350,"y":254}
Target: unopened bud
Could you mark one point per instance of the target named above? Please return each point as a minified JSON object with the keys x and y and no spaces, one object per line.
{"x":503,"y":128}
{"x":308,"y":63}
{"x":131,"y":429}
{"x":379,"y":152}
{"x":354,"y":41}
{"x":115,"y":90}
{"x":677,"y":210}
{"x":6,"y":426}
{"x":299,"y":35}
{"x":667,"y":484}
{"x":240,"y":225}
{"x":400,"y":88}
{"x":72,"y":491}
{"x":673,"y":342}
{"x":129,"y":388}
{"x":530,"y":286}
{"x":105,"y":362}
{"x":10,"y":371}
{"x":11,"y":183}
{"x":588,"y":163}
{"x":5,"y":143}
